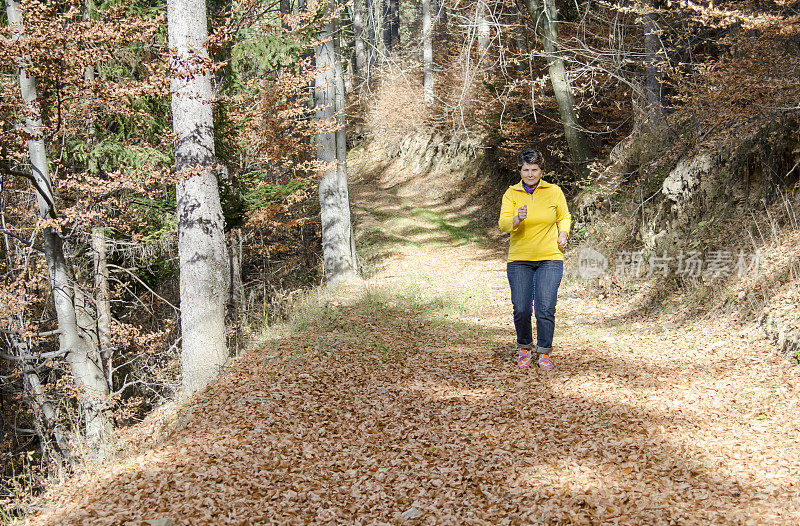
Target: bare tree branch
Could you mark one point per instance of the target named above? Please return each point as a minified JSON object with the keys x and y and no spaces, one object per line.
{"x":17,"y":173}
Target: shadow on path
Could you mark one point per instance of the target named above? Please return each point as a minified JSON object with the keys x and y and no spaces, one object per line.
{"x":389,"y":402}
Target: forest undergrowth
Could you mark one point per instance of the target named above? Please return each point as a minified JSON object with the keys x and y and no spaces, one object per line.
{"x":397,"y":400}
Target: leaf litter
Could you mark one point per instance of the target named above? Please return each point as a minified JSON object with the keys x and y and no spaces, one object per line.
{"x":399,"y":402}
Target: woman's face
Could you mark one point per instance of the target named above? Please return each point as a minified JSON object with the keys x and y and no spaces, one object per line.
{"x":530,"y":173}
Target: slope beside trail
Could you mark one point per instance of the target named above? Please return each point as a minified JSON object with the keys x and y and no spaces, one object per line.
{"x":397,"y":401}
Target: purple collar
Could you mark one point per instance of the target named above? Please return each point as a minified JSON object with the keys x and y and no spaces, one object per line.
{"x":529,"y":189}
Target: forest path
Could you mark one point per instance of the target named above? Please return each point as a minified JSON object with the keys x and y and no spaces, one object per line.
{"x":399,"y":398}
{"x":643,"y":421}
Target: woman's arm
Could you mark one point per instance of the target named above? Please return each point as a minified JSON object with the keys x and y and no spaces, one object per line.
{"x":563,"y":219}
{"x":508,"y":221}
{"x":516,"y":220}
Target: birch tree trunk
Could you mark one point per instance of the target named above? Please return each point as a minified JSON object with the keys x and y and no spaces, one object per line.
{"x":545,"y":18}
{"x":202,"y":252}
{"x":338,"y":245}
{"x":427,"y":51}
{"x":87,"y":373}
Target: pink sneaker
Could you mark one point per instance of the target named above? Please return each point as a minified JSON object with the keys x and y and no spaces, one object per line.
{"x":524,"y":359}
{"x":544,"y":362}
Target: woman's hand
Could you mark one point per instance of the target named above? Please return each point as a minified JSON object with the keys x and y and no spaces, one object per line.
{"x":562,"y":240}
{"x":522,"y":213}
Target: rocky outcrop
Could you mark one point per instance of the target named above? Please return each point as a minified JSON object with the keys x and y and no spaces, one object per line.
{"x":687,"y":193}
{"x":686,"y":177}
{"x":735,"y":195}
{"x":424,"y":154}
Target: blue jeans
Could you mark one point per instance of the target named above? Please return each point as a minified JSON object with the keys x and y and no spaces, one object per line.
{"x":534,"y":287}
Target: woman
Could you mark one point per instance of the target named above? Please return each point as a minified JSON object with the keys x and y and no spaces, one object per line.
{"x":535,"y":213}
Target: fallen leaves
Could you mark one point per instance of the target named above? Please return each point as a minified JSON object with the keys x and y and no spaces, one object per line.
{"x":373,"y":414}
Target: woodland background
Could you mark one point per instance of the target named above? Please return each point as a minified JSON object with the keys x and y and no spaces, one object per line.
{"x":670,"y":125}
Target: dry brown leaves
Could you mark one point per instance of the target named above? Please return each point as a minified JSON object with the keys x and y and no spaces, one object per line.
{"x":394,"y":399}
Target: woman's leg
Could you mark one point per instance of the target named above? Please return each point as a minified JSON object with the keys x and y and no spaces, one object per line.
{"x":546,"y":282}
{"x":520,"y":279}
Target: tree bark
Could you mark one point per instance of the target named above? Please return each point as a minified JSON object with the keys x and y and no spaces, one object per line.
{"x":339,"y":256}
{"x":361,"y":71}
{"x":102,"y":298}
{"x":545,"y":19}
{"x":89,"y":76}
{"x":202,"y":252}
{"x":394,"y":25}
{"x":45,"y":413}
{"x":482,"y":23}
{"x":386,"y":19}
{"x":427,"y":51}
{"x":653,"y":83}
{"x":285,"y":9}
{"x":87,"y":373}
{"x":237,"y":289}
{"x":377,"y":42}
{"x":346,"y":39}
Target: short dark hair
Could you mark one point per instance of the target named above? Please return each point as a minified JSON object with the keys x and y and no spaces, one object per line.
{"x":530,"y":156}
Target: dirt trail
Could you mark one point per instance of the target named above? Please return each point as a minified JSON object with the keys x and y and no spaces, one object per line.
{"x":399,"y":397}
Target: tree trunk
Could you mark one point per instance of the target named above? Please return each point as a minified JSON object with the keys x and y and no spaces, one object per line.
{"x":339,"y":257}
{"x":286,"y":9}
{"x":202,"y":252}
{"x":87,"y":373}
{"x":377,"y":43}
{"x":102,"y":298}
{"x":88,"y":76}
{"x":482,"y":23}
{"x":237,"y":289}
{"x":545,"y":18}
{"x":360,"y":72}
{"x":43,"y":410}
{"x":386,"y":23}
{"x":427,"y":51}
{"x":344,"y":42}
{"x":394,"y":25}
{"x":653,"y":84}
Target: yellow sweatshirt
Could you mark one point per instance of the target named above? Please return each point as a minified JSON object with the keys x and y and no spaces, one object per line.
{"x":536,"y":237}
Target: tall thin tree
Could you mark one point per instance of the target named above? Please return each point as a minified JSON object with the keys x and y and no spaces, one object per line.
{"x":482,"y":23}
{"x":202,"y":251}
{"x":545,"y":19}
{"x":427,"y":51}
{"x":394,"y":22}
{"x":376,"y":33}
{"x":76,"y":346}
{"x":653,"y":58}
{"x":361,"y":71}
{"x":386,"y":18}
{"x":338,"y":244}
